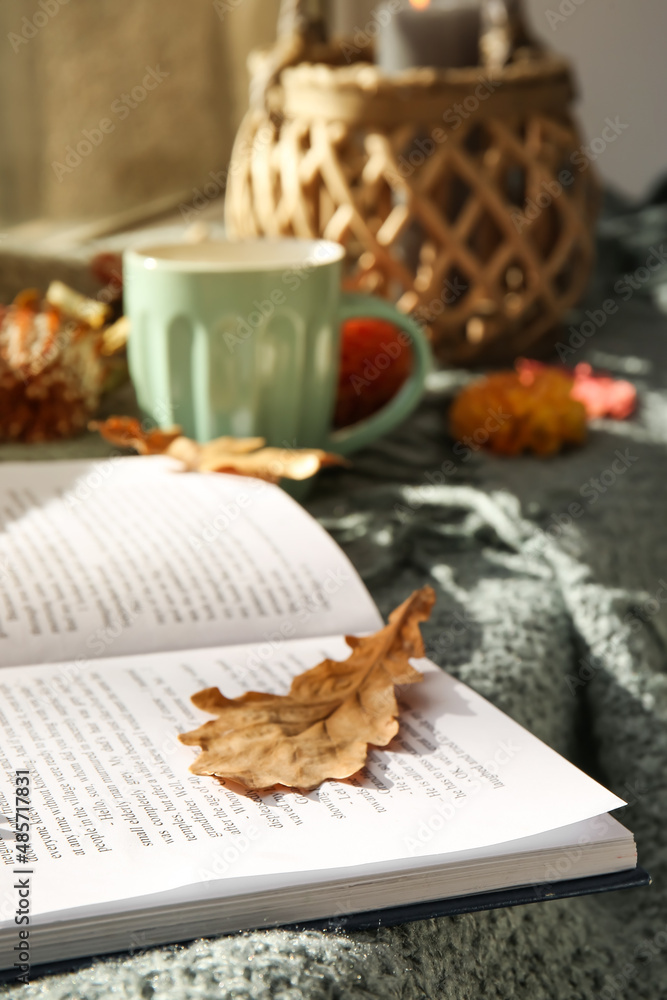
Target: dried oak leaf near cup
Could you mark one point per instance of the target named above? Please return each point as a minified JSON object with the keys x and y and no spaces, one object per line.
{"x":240,"y":456}
{"x":323,"y":727}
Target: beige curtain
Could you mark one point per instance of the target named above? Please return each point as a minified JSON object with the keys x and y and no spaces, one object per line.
{"x":107,"y":104}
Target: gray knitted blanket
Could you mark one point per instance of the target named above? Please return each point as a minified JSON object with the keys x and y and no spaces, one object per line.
{"x":560,"y":621}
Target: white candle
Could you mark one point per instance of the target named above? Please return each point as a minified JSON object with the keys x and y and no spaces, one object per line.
{"x":442,"y":33}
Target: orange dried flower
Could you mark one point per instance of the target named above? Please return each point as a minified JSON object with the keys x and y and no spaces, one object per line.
{"x":514,"y":412}
{"x":51,"y":369}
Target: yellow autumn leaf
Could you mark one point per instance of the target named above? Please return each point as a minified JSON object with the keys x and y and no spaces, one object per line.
{"x":240,"y":456}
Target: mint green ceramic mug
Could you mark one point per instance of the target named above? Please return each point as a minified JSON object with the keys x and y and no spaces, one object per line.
{"x":243,"y":339}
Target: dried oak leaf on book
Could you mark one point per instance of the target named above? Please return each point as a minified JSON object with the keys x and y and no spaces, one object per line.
{"x":323,"y":727}
{"x":242,"y":456}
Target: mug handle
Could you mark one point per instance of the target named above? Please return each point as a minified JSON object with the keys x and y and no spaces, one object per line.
{"x":364,"y":432}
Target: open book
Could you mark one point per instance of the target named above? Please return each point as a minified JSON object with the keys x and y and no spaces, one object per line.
{"x":126,"y":587}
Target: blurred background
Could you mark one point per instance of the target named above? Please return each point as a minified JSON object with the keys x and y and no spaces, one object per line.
{"x":157,"y":90}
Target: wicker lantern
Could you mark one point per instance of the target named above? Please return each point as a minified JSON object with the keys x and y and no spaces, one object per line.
{"x":460,"y":194}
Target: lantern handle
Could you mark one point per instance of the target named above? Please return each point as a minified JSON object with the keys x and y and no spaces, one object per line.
{"x":503,"y":31}
{"x":301,"y":31}
{"x":304,"y":18}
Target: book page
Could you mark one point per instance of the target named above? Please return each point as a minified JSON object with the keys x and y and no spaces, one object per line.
{"x":117,"y":814}
{"x":129,"y":555}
